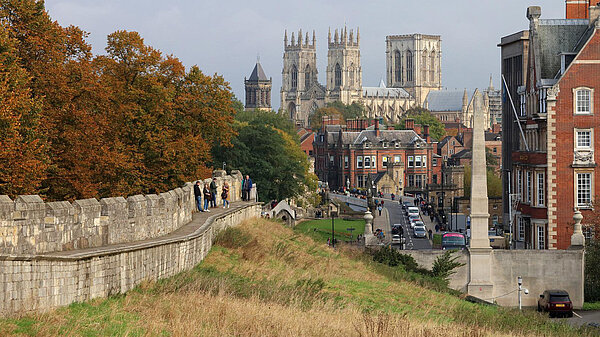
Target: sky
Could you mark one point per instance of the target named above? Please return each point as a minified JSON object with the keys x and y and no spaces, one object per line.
{"x":227,"y":36}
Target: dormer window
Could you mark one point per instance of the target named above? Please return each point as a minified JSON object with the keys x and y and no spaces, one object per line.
{"x":565,"y":61}
{"x":396,"y":145}
{"x":385,"y":145}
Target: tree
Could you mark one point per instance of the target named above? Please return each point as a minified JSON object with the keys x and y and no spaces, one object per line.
{"x":338,"y":110}
{"x":494,"y":183}
{"x":424,"y":117}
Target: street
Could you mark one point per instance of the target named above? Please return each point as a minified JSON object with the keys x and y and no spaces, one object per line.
{"x":396,"y":214}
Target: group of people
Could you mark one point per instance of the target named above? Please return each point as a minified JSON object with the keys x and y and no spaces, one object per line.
{"x":209,"y":193}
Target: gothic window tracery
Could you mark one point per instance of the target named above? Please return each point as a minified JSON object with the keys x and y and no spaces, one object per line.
{"x":409,"y":66}
{"x":307,"y":76}
{"x":338,"y":75}
{"x":351,"y":75}
{"x":398,"y":66}
{"x":432,"y":67}
{"x":294,"y":77}
{"x":424,"y":66}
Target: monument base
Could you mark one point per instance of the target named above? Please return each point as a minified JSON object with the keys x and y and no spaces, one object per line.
{"x":371,"y":240}
{"x":482,"y":290}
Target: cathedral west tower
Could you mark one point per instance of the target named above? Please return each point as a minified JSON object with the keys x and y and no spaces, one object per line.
{"x":344,"y":72}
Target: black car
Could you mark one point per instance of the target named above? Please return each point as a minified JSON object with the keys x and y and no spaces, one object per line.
{"x":556,"y":303}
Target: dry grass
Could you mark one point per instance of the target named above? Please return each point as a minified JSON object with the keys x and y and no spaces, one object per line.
{"x":262,"y":279}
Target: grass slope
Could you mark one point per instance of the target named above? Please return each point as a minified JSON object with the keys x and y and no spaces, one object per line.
{"x":262,"y":279}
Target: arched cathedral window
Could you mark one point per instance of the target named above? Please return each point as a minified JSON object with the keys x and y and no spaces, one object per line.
{"x":432,"y":67}
{"x":307,"y":77}
{"x":409,"y":66}
{"x":338,"y":75}
{"x":294,"y":77}
{"x":424,"y":66}
{"x":398,"y":66}
{"x":351,"y":75}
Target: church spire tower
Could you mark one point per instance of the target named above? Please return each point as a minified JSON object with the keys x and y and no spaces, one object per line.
{"x":344,"y":71}
{"x":258,"y":88}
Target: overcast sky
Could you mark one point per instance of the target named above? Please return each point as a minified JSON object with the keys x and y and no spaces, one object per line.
{"x":225,"y":36}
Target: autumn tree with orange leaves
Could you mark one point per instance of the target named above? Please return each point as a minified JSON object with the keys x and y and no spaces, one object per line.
{"x":132,"y":121}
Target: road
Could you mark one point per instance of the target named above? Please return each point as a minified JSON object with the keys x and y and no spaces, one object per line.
{"x":396,"y":214}
{"x":587,"y":317}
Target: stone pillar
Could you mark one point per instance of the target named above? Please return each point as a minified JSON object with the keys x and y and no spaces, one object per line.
{"x":577,"y":239}
{"x":369,"y":238}
{"x":480,"y":284}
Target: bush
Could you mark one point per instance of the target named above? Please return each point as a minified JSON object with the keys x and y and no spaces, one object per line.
{"x":392,"y":258}
{"x":444,"y":265}
{"x":592,"y":272}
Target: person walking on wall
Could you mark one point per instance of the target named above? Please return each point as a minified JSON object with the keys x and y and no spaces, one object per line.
{"x":246,"y":187}
{"x":213,"y":193}
{"x":198,"y":196}
{"x":207,"y":195}
{"x":225,"y":195}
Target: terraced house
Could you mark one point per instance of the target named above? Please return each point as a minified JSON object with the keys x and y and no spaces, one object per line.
{"x":550,"y":154}
{"x":345,"y":155}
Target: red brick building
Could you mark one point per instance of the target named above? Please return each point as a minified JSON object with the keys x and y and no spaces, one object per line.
{"x":553,"y":163}
{"x":346,"y":154}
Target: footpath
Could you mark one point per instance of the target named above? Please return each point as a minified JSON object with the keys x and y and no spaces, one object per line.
{"x":383,"y":222}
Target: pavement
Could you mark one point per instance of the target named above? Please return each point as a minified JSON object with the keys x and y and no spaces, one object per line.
{"x":585,"y":318}
{"x":383,"y":222}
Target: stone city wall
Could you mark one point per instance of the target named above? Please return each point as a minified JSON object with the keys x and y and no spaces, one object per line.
{"x":28,"y":225}
{"x":43,"y":282}
{"x":540,"y":269}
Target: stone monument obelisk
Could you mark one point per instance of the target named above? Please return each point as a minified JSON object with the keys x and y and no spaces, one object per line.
{"x":480,"y":284}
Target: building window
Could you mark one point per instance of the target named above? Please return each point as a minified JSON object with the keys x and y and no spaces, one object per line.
{"x":540,"y":189}
{"x":409,"y":66}
{"x":432,"y":67}
{"x":541,"y":237}
{"x":331,"y":159}
{"x":584,"y":139}
{"x":411,"y":180}
{"x":398,"y":66}
{"x":361,"y":181}
{"x":417,"y":161}
{"x":351,"y":75}
{"x":584,"y":189}
{"x":396,"y":145}
{"x":521,"y":229}
{"x":345,"y":161}
{"x":307,"y":77}
{"x":418,"y":181}
{"x":434,"y":162}
{"x":385,"y":145}
{"x":310,"y":152}
{"x":424,"y":66}
{"x":374,"y":162}
{"x":294,"y":77}
{"x":384,"y":161}
{"x":588,"y":232}
{"x":338,"y":75}
{"x":583,"y":101}
{"x":519,"y":186}
{"x":410,"y":161}
{"x":528,"y":185}
{"x":434,"y":179}
{"x":367,"y":162}
{"x":494,"y":150}
{"x":359,"y":162}
{"x":495,"y":220}
{"x":397,"y":159}
{"x":424,"y":161}
{"x":523,"y":104}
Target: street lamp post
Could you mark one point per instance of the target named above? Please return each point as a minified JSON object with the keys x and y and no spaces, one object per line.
{"x":332,"y":214}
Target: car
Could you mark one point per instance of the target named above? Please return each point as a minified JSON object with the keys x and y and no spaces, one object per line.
{"x":453,"y":240}
{"x":412,"y":218}
{"x":556,"y":303}
{"x":416,"y":223}
{"x":412,"y":210}
{"x":397,"y":228}
{"x":396,"y":239}
{"x":420,"y":232}
{"x":406,"y":204}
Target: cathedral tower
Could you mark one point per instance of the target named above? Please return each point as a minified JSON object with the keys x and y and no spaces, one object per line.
{"x":344,"y":72}
{"x":299,"y":75}
{"x":258,"y":90}
{"x":414,"y":63}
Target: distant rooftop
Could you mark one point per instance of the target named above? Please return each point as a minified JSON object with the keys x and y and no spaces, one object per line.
{"x":258,"y":74}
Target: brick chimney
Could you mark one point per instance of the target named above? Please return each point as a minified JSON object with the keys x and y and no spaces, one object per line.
{"x":426,"y":133}
{"x":377,"y":132}
{"x":409,"y":124}
{"x":578,"y":9}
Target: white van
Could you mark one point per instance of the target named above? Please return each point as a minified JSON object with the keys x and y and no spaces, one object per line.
{"x":413,"y":210}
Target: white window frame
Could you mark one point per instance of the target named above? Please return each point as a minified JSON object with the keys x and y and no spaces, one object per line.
{"x":529,"y":188}
{"x":424,"y":162}
{"x":417,"y":161}
{"x":521,"y":229}
{"x":578,"y":177}
{"x":579,"y":108}
{"x":434,"y":162}
{"x":418,"y":180}
{"x":346,"y":161}
{"x":541,"y":185}
{"x":541,"y":236}
{"x":367,"y":162}
{"x":519,"y":185}
{"x":397,"y":159}
{"x":581,"y":132}
{"x":411,"y":161}
{"x":411,"y":180}
{"x":384,"y":161}
{"x":359,"y":162}
{"x":385,"y":145}
{"x":374,"y":162}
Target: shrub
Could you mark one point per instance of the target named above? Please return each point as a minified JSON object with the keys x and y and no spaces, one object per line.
{"x":444,"y":265}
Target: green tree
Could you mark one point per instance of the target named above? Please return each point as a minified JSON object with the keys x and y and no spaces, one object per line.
{"x":424,"y":117}
{"x":494,"y":182}
{"x":337,"y":109}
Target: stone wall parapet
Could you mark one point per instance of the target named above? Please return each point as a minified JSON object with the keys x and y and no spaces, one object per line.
{"x":30,"y":226}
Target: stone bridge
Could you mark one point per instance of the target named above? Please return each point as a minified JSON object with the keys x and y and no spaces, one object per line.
{"x":57,"y":253}
{"x":284,"y":212}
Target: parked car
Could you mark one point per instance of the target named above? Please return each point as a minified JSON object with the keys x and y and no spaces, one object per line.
{"x":396,"y":239}
{"x":420,"y":232}
{"x":397,"y":229}
{"x":453,"y":241}
{"x":412,"y":210}
{"x":406,"y":204}
{"x":556,"y":303}
{"x":412,"y":218}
